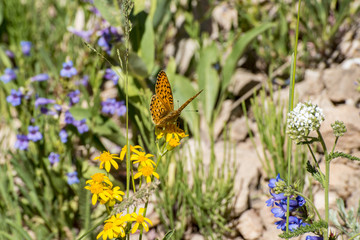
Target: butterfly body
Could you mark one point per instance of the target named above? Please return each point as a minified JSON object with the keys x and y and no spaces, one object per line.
{"x":162,"y":103}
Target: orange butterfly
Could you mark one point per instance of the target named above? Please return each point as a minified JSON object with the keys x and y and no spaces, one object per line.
{"x":162,"y":103}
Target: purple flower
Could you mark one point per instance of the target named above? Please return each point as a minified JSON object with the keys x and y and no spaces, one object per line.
{"x":84,"y":81}
{"x":25,"y":47}
{"x":43,"y":101}
{"x":10,"y":54}
{"x":74,"y":97}
{"x":120,"y":108}
{"x":9,"y":75}
{"x":276,"y":197}
{"x":63,"y":135}
{"x":108,"y":106}
{"x":22,"y":142}
{"x":68,"y":70}
{"x":313,"y":238}
{"x":111,"y":75}
{"x":107,"y":37}
{"x":69,"y":119}
{"x":54,"y":158}
{"x":273,"y":181}
{"x":40,"y":77}
{"x":280,"y":211}
{"x":14,"y":98}
{"x":300,"y":201}
{"x":46,"y":111}
{"x":57,"y":107}
{"x":81,"y":126}
{"x":294,"y":223}
{"x":83,"y":34}
{"x":72,"y":178}
{"x":34,"y":134}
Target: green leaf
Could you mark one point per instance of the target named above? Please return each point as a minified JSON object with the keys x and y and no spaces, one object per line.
{"x":137,"y":66}
{"x":169,"y":235}
{"x":319,"y":176}
{"x":344,"y":155}
{"x":315,"y":226}
{"x":80,"y":113}
{"x":147,"y":45}
{"x":107,"y":12}
{"x":237,"y":51}
{"x":208,"y":79}
{"x":139,"y":6}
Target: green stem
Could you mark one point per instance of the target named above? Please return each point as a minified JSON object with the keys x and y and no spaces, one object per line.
{"x":327,"y":180}
{"x":336,"y":140}
{"x":353,"y":237}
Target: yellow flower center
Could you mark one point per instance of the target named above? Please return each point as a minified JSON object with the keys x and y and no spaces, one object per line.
{"x":108,"y":226}
{"x":173,"y":142}
{"x":142,"y":158}
{"x":140,"y":219}
{"x":98,"y":177}
{"x":105,"y":157}
{"x":96,"y":189}
{"x":147,"y":170}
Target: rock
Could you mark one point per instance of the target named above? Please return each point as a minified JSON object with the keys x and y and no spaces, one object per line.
{"x":197,"y":236}
{"x":225,"y":15}
{"x":247,"y":176}
{"x":319,"y":201}
{"x":250,"y":225}
{"x":339,"y":84}
{"x":312,"y":85}
{"x":223,"y":117}
{"x":243,"y":81}
{"x":186,"y":50}
{"x":350,"y":116}
{"x":238,"y":130}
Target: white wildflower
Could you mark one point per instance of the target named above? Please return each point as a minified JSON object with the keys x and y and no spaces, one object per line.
{"x":304,"y":118}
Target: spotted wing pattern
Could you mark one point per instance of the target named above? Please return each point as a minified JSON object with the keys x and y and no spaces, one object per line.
{"x":163,"y":91}
{"x":157,"y":109}
{"x":162,"y":103}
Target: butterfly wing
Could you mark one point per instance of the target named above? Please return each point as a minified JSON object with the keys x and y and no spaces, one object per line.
{"x":163,"y":91}
{"x":157,"y":109}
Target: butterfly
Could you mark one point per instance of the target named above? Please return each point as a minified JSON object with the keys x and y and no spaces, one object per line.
{"x":162,"y":103}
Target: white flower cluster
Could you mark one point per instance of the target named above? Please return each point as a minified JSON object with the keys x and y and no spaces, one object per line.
{"x":304,"y":118}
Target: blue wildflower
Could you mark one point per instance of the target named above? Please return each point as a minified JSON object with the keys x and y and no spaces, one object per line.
{"x":294,"y":223}
{"x":43,"y":101}
{"x":108,"y":106}
{"x":107,"y":37}
{"x":313,"y":238}
{"x":74,"y":97}
{"x":46,"y":111}
{"x":69,"y":119}
{"x":81,"y":126}
{"x":68,"y":70}
{"x":54,"y":158}
{"x":34,"y":134}
{"x":14,"y":98}
{"x":120,"y":108}
{"x":9,"y":75}
{"x":72,"y":178}
{"x":83,"y":34}
{"x":83,"y":81}
{"x":22,"y":142}
{"x":40,"y":77}
{"x":111,"y":75}
{"x":57,"y":107}
{"x":63,"y":135}
{"x":10,"y":54}
{"x":26,"y":47}
{"x":273,"y":181}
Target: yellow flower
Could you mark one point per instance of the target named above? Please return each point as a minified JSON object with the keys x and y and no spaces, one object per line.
{"x":173,"y":134}
{"x":140,"y":220}
{"x":146,"y":171}
{"x":99,"y":178}
{"x":142,"y":158}
{"x":98,"y":190}
{"x":114,"y":227}
{"x":124,"y":150}
{"x":111,"y":195}
{"x":107,"y":159}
